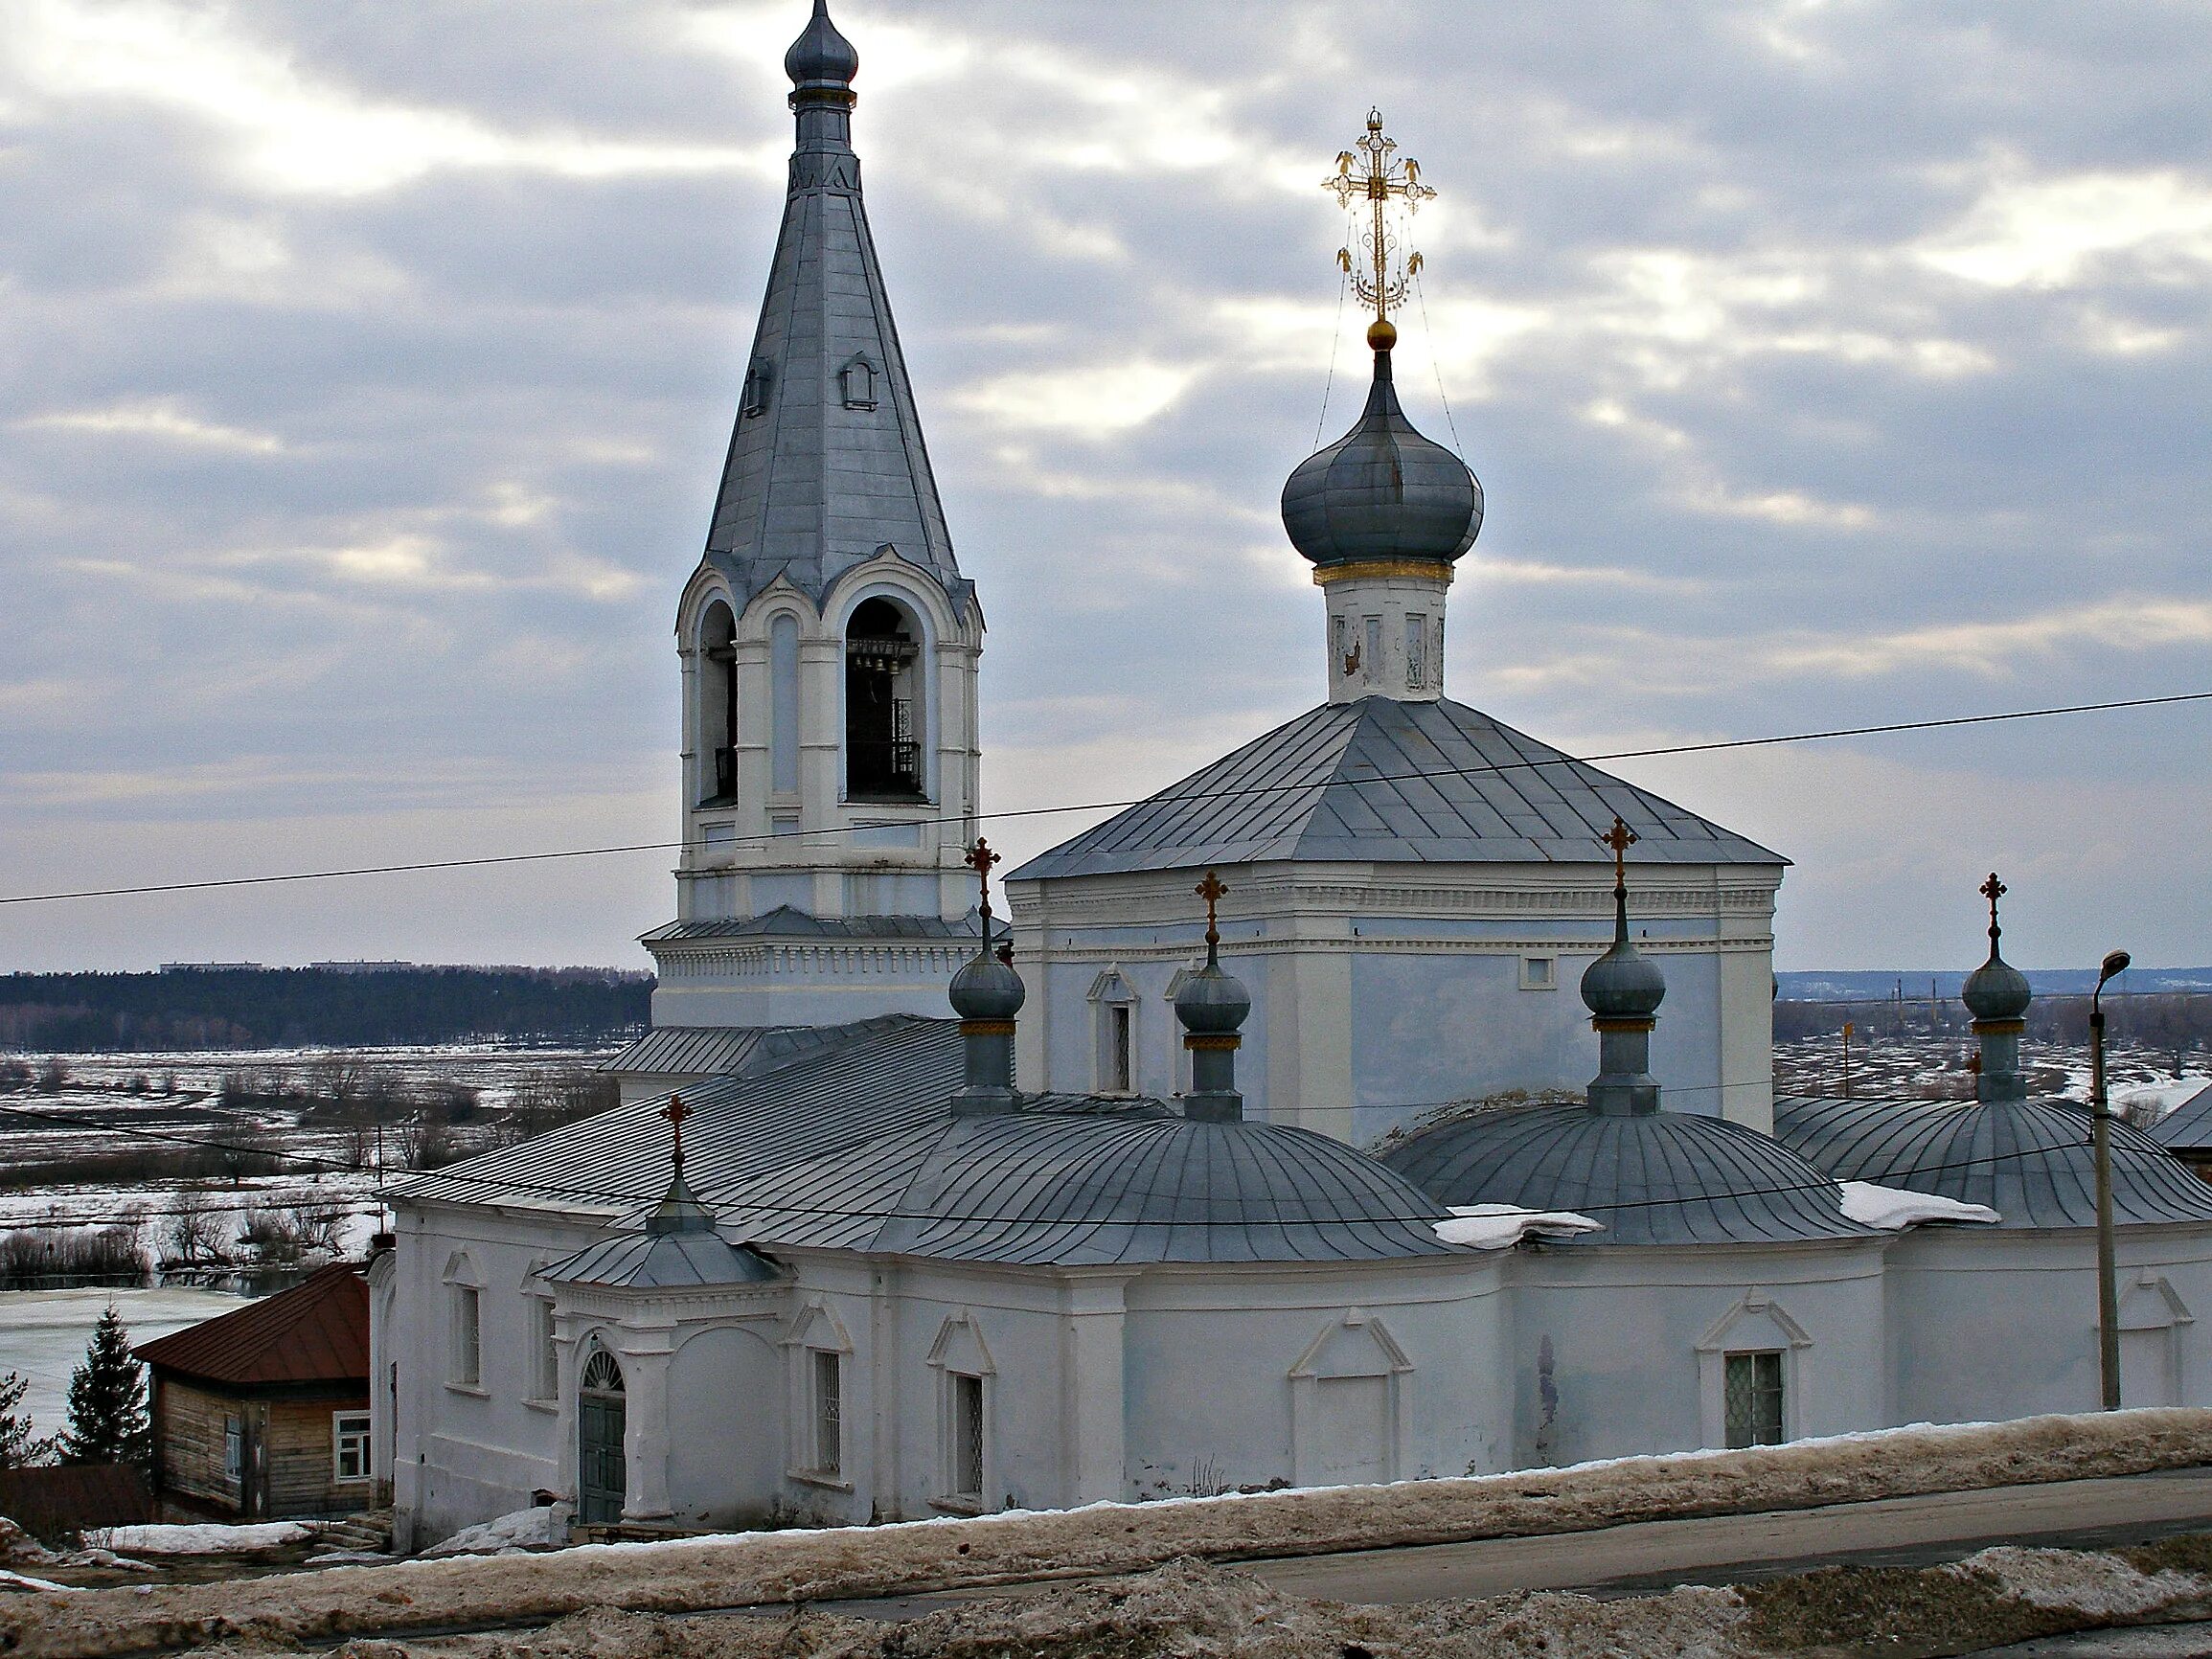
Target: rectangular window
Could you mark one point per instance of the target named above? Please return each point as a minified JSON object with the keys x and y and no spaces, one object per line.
{"x":966,"y":1437}
{"x":719,"y":834}
{"x":234,"y":1450}
{"x":544,"y":1353}
{"x":829,"y":1414}
{"x":1753,"y":1384}
{"x":1342,"y":636}
{"x":1120,"y":1071}
{"x":1539,"y":973}
{"x":1415,"y":652}
{"x":350,"y":1446}
{"x":466,"y":1358}
{"x":1372,"y":650}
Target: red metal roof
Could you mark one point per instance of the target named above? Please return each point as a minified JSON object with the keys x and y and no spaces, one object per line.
{"x":316,"y":1331}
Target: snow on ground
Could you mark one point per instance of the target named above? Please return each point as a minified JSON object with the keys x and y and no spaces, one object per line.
{"x":198,"y":1539}
{"x":545,"y":1527}
{"x":681,"y":1575}
{"x":1895,"y":1207}
{"x":43,"y":1333}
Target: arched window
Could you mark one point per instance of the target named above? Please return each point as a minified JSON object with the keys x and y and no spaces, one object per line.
{"x":717,"y":683}
{"x":858,"y":382}
{"x":601,"y":1373}
{"x":882,"y":703}
{"x":783,"y":703}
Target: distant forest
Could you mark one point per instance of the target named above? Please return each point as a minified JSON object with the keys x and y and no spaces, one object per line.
{"x":286,"y":1007}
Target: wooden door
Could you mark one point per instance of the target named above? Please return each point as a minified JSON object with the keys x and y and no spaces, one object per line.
{"x":601,"y":1472}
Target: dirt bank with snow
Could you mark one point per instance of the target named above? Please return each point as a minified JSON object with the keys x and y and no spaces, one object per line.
{"x":801,"y":1566}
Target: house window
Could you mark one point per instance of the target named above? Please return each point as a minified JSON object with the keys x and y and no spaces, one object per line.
{"x":966,"y":1437}
{"x":1753,"y":1394}
{"x":829,"y":1413}
{"x":544,"y":1354}
{"x":348,"y":1445}
{"x":234,"y":1450}
{"x":1540,"y":973}
{"x":465,"y":1359}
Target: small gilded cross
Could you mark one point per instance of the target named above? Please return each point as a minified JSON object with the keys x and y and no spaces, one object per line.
{"x":675,"y":1112}
{"x":1213,"y":893}
{"x":980,"y":858}
{"x":1993,"y":890}
{"x":1620,"y":838}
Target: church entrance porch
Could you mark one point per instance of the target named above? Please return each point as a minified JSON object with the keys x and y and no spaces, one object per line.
{"x":601,"y":1472}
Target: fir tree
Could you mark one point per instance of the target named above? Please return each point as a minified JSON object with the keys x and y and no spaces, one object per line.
{"x":107,"y":1421}
{"x":19,"y":1446}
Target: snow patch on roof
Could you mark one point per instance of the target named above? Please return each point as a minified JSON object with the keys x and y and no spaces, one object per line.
{"x":1501,"y":1226}
{"x":1897,"y":1207}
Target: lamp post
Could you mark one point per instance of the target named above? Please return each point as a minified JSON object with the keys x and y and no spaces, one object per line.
{"x":2100,"y":1122}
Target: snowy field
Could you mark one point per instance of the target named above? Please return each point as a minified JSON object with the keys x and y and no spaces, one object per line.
{"x":2141,"y":1081}
{"x":43,"y":1333}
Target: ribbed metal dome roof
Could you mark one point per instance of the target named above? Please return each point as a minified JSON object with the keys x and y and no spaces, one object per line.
{"x":821,"y":55}
{"x":1660,"y":1178}
{"x":2030,"y":1161}
{"x":1067,"y":1189}
{"x":1382,"y":492}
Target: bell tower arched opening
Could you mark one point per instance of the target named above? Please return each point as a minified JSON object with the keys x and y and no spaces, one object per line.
{"x":718,"y":711}
{"x":885,"y":706}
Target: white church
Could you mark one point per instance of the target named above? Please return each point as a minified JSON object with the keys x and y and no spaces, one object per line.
{"x":1193,"y":1177}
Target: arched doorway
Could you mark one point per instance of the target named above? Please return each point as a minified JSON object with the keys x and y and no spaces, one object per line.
{"x":601,"y":1473}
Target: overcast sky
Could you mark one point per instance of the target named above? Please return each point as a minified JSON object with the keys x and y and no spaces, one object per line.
{"x":366,"y":368}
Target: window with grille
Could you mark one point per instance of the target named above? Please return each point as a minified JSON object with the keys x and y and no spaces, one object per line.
{"x":1753,"y":1387}
{"x":829,"y":1414}
{"x":350,"y":1446}
{"x":966,"y":1437}
{"x":468,"y":1345}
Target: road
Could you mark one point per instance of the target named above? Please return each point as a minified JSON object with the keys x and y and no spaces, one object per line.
{"x":1729,"y":1549}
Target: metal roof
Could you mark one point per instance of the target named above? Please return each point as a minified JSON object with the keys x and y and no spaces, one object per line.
{"x":2030,"y":1161}
{"x":316,"y":1331}
{"x":1656,"y":1178}
{"x":662,"y":1261}
{"x":725,"y":1050}
{"x":896,"y":1071}
{"x":1387,"y":782}
{"x":1055,"y":1188}
{"x":2188,"y":1125}
{"x":785,"y":922}
{"x":825,"y":464}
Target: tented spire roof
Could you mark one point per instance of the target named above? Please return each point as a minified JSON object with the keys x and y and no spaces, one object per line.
{"x":825,"y":464}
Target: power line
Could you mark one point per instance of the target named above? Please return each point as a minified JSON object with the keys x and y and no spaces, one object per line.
{"x":1488,"y":768}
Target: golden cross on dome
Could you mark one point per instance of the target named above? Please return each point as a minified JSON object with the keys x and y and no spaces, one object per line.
{"x":1620,"y":838}
{"x":980,"y":858}
{"x":675,"y":1112}
{"x":1370,"y":172}
{"x":1993,"y":890}
{"x":1213,"y":893}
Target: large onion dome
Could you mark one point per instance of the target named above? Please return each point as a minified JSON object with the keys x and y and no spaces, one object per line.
{"x":1382,"y":491}
{"x":821,"y":56}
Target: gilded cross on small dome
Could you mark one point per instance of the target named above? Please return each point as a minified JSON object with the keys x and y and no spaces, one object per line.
{"x":1620,"y":838}
{"x":1370,"y":173}
{"x":1213,"y":893}
{"x":675,"y":1112}
{"x":1993,"y":890}
{"x":980,"y":858}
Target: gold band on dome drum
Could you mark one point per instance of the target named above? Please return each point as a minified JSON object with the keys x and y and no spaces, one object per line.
{"x":1382,"y":569}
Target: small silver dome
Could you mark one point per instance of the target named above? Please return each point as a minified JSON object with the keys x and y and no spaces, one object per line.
{"x":1997,"y":991}
{"x":1382,"y":491}
{"x":987,"y":989}
{"x":1213,"y":1002}
{"x":821,"y":54}
{"x":1624,"y":983}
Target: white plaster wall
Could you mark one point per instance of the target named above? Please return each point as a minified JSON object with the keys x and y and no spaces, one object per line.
{"x":1998,"y":1322}
{"x":1626,"y":1323}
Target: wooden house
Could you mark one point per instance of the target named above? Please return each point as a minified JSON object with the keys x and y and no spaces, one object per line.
{"x":263,"y":1413}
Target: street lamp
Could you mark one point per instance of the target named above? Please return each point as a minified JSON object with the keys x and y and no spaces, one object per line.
{"x":2101,"y":1121}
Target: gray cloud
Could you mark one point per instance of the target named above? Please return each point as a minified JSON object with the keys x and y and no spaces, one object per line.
{"x":368,"y":372}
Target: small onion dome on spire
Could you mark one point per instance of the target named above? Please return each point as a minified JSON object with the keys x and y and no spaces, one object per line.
{"x":987,"y":989}
{"x":1996,"y":991}
{"x":1382,"y":491}
{"x":1622,"y":984}
{"x":821,"y":56}
{"x":1213,"y":1002}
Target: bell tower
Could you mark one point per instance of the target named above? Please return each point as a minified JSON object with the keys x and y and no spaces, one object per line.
{"x":828,"y":644}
